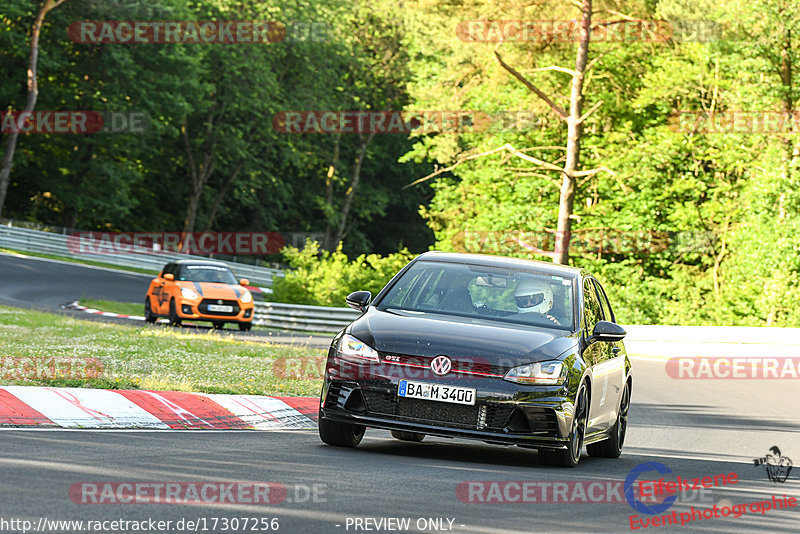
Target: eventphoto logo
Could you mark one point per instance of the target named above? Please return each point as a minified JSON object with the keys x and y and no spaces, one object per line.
{"x":775,"y":464}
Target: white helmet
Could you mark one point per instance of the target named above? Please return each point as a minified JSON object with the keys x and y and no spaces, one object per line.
{"x":533,"y":296}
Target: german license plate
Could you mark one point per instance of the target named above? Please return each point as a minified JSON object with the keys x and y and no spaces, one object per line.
{"x":218,"y":308}
{"x":436,"y":392}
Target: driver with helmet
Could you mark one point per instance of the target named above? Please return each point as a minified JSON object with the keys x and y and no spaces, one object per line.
{"x":535,"y":296}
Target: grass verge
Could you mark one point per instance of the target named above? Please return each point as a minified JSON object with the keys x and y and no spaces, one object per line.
{"x":124,"y":308}
{"x":54,"y":350}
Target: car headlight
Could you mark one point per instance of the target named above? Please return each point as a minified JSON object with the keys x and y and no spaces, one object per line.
{"x":189,"y":294}
{"x":246,"y":297}
{"x":354,"y":350}
{"x":539,"y":373}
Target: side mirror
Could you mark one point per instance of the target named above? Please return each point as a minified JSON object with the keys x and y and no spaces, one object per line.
{"x":359,"y":300}
{"x":169,"y":276}
{"x":244,"y":282}
{"x":607,"y":331}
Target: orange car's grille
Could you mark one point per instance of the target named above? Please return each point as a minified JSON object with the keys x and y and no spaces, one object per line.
{"x":203,"y":307}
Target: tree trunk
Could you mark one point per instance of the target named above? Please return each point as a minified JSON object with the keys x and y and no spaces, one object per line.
{"x":199,"y":177}
{"x":221,"y":195}
{"x":33,"y":94}
{"x":328,"y":241}
{"x":790,"y":150}
{"x":574,"y":133}
{"x":355,"y":178}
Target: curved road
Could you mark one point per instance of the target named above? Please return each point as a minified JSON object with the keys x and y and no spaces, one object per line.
{"x":30,"y":282}
{"x":697,"y":429}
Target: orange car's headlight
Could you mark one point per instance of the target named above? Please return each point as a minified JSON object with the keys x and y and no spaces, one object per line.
{"x":246,"y":297}
{"x":189,"y":294}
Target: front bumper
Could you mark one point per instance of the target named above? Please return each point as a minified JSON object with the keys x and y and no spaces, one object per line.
{"x":197,"y":309}
{"x":504,"y":412}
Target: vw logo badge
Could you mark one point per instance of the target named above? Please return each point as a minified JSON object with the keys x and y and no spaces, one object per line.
{"x":219,"y":302}
{"x":441,"y":365}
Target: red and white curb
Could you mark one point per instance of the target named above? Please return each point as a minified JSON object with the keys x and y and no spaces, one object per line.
{"x":74,"y":305}
{"x":105,"y":408}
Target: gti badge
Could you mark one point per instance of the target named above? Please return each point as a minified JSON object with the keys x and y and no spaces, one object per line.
{"x":441,"y":365}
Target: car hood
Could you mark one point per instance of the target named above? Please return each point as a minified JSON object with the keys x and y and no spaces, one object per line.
{"x":215,"y":290}
{"x":402,"y":332}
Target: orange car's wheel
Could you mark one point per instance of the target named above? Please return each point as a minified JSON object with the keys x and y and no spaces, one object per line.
{"x":174,"y":320}
{"x":245,"y":327}
{"x":148,"y":312}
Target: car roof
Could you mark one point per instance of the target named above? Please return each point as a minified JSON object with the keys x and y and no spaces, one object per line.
{"x":503,"y":261}
{"x":201,"y":262}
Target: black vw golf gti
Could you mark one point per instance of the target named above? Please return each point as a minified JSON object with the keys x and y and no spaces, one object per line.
{"x":503,"y":350}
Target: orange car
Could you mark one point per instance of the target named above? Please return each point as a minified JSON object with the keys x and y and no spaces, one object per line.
{"x":199,"y":290}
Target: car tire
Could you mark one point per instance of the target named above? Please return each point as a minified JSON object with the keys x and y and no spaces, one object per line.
{"x":572,"y":454}
{"x":149,"y":316}
{"x":245,"y":327}
{"x":402,"y":435}
{"x":612,"y":447}
{"x":340,"y":434}
{"x":174,"y":319}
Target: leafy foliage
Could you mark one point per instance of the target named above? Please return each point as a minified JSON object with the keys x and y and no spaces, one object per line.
{"x":326,"y":278}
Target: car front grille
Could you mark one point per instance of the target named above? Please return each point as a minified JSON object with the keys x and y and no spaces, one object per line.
{"x":461,"y":366}
{"x":203,"y":307}
{"x":485,"y":416}
{"x":421,"y":411}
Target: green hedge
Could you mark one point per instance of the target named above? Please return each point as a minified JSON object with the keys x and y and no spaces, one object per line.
{"x":325,"y":278}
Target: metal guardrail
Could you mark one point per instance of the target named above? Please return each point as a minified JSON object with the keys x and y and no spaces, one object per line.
{"x":141,"y":257}
{"x":326,"y":319}
{"x":303,"y":318}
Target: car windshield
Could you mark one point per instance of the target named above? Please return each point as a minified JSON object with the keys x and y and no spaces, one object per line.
{"x":495,"y":293}
{"x":206,"y":273}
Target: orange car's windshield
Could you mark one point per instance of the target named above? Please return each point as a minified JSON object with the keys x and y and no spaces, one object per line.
{"x":206,"y":273}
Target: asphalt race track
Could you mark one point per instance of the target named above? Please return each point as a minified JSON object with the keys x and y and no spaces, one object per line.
{"x":30,"y":282}
{"x":696,"y":428}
